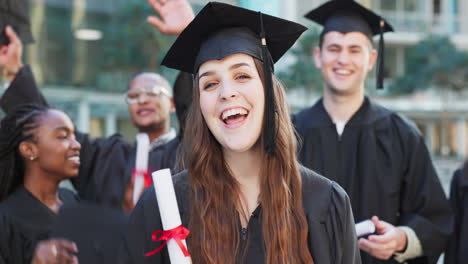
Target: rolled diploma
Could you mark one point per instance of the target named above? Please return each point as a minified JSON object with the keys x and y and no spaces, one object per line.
{"x":169,"y":210}
{"x":141,"y":164}
{"x":365,"y":227}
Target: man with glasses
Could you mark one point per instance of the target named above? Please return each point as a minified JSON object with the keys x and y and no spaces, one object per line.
{"x":105,"y":174}
{"x":150,"y":104}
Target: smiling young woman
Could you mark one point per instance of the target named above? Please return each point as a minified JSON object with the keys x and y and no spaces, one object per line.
{"x":38,"y":149}
{"x":243,"y":196}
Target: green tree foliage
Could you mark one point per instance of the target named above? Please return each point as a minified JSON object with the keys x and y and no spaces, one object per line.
{"x":436,"y":62}
{"x":132,"y":45}
{"x":302,"y":72}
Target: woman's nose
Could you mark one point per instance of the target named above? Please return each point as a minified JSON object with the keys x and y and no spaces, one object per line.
{"x":227,"y":91}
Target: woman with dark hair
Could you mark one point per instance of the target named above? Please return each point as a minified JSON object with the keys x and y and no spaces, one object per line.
{"x":38,"y":149}
{"x":244,"y":197}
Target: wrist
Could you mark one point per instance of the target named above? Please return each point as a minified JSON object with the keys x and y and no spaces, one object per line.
{"x":402,"y":240}
{"x":11,"y":72}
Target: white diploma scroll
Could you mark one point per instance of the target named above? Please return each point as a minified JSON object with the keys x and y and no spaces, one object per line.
{"x":365,"y":227}
{"x":169,"y":210}
{"x":141,"y":165}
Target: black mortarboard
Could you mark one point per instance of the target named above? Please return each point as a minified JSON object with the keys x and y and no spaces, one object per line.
{"x":220,"y":30}
{"x":96,"y":230}
{"x":16,"y":14}
{"x":347,"y":16}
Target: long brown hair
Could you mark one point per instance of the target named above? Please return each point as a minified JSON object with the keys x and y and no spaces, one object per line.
{"x":215,"y":193}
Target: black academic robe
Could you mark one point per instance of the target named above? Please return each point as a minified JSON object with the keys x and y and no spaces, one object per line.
{"x":170,"y":155}
{"x":457,"y":251}
{"x":24,"y":221}
{"x":106,"y":163}
{"x":331,"y":239}
{"x":383,"y":164}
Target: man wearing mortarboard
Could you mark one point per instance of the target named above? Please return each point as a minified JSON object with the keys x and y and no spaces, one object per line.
{"x":376,"y":155}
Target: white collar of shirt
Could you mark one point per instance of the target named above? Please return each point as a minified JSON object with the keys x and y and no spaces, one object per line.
{"x":163,"y":139}
{"x":6,"y":85}
{"x":340,"y":125}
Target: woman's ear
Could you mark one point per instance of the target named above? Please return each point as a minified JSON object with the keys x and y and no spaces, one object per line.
{"x":28,"y":150}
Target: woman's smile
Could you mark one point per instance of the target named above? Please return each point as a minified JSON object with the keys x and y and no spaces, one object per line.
{"x":234,"y":117}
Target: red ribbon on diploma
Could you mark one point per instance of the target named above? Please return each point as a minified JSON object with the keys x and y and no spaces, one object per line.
{"x":178,"y":234}
{"x":146,"y":176}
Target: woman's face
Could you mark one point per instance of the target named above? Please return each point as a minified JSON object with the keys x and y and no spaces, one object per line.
{"x":57,"y":151}
{"x":232,"y":101}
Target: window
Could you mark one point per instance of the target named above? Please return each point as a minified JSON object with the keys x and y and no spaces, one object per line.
{"x":436,"y":7}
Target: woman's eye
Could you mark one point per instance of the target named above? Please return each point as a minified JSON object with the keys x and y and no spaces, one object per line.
{"x":243,"y":76}
{"x":209,"y":85}
{"x":62,"y":136}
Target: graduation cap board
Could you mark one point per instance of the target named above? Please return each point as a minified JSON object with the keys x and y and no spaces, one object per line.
{"x":347,"y":16}
{"x":96,"y":230}
{"x":220,"y":30}
{"x":16,"y":14}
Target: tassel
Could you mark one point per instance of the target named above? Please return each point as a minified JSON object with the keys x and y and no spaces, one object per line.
{"x":269,"y":129}
{"x":380,"y":61}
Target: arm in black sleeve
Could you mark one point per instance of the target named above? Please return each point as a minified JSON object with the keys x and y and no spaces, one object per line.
{"x":22,"y":90}
{"x":424,"y":206}
{"x":456,"y":201}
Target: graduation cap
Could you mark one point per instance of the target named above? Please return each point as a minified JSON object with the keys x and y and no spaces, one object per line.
{"x":220,"y":30}
{"x":16,"y":14}
{"x":347,"y":16}
{"x":96,"y":230}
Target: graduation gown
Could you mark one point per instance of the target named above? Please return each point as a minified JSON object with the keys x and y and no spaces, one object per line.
{"x":106,"y":163}
{"x":383,"y":164}
{"x":24,"y":221}
{"x":457,"y":251}
{"x":331,"y":239}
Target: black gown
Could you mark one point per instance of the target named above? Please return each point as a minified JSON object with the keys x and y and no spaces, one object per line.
{"x":383,"y":164}
{"x":331,"y":239}
{"x":106,"y":163}
{"x":24,"y":221}
{"x":457,"y":251}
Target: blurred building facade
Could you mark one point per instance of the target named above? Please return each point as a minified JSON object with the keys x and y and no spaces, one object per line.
{"x":84,"y":57}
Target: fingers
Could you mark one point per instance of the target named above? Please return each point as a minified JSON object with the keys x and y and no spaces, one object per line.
{"x":380,"y":226}
{"x":12,"y":36}
{"x":384,"y":238}
{"x":64,"y":251}
{"x":65,"y":257}
{"x":157,"y":23}
{"x":66,"y":245}
{"x":55,"y":251}
{"x":378,"y":250}
{"x":157,"y":5}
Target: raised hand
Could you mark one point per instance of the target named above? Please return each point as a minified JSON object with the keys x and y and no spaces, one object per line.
{"x":174,"y":15}
{"x":10,"y":55}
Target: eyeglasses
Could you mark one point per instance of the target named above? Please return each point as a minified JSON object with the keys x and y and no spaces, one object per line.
{"x":151,"y":92}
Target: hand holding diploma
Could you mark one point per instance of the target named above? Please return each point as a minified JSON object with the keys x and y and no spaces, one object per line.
{"x":387,"y":240}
